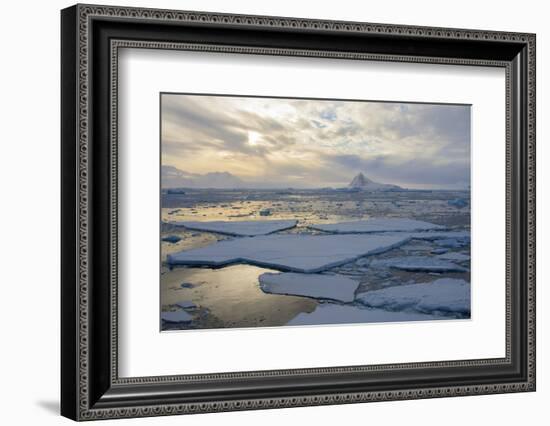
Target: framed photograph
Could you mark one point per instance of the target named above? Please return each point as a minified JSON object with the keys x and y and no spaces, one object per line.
{"x":263,"y":212}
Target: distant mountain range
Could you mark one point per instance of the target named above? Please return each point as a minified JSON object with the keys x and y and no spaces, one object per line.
{"x":361,"y":182}
{"x":173,"y":177}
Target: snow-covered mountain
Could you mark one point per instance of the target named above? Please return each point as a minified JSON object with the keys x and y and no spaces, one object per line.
{"x":361,"y":182}
{"x":173,"y":177}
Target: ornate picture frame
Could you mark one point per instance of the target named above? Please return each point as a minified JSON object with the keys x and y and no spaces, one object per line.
{"x":91,"y":38}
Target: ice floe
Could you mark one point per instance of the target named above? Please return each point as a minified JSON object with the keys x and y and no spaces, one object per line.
{"x":289,"y":252}
{"x":329,"y":313}
{"x":461,"y":236}
{"x":377,"y":225}
{"x":412,"y":247}
{"x":176,"y":316}
{"x":186,"y":304}
{"x":458,"y":203}
{"x":452,"y":242}
{"x":447,"y":295}
{"x":247,"y":228}
{"x":418,"y":264}
{"x":335,"y":287}
{"x":454,"y":256}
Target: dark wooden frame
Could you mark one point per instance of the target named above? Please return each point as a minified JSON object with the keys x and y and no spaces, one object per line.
{"x":91,"y":37}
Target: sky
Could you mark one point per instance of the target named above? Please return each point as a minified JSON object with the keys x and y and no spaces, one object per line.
{"x":304,"y":143}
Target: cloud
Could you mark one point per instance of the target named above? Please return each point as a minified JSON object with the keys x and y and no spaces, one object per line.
{"x":317,"y":143}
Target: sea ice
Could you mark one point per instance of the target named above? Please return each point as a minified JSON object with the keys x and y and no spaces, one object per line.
{"x":418,"y":264}
{"x":376,"y":225}
{"x":186,"y":304}
{"x":290,"y":252}
{"x":449,"y":243}
{"x":443,"y":295}
{"x":247,"y":228}
{"x":176,"y":316}
{"x":330,"y":313}
{"x":463,"y":236}
{"x":458,"y":203}
{"x":335,"y":287}
{"x":455,"y":256}
{"x":416,"y":247}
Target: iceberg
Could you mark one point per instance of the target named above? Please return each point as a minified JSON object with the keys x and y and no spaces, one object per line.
{"x":447,"y":295}
{"x":334,"y":287}
{"x":248,"y":228}
{"x":330,"y":313}
{"x":376,"y":225}
{"x":418,"y":264}
{"x":289,"y":252}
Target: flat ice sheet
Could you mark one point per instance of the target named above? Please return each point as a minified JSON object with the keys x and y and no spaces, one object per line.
{"x":442,"y":295}
{"x":246,"y":228}
{"x":442,"y":235}
{"x":290,"y":252}
{"x":335,"y":287}
{"x":377,"y":225}
{"x":418,"y":263}
{"x":329,"y":313}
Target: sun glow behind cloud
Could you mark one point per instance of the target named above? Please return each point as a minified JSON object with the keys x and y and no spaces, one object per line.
{"x":316,"y":143}
{"x":253,"y":137}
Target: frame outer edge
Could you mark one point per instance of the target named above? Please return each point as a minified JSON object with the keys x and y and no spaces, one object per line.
{"x":83,"y":12}
{"x":69,"y":221}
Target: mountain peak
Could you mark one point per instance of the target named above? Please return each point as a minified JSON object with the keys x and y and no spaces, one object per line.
{"x":360,"y":181}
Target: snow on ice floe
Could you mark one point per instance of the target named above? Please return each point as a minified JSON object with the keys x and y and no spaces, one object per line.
{"x":176,"y":316}
{"x":460,"y":236}
{"x":377,"y":225}
{"x":416,"y":247}
{"x":454,"y":256}
{"x":451,"y":243}
{"x":247,"y":228}
{"x":329,"y":313}
{"x":446,"y":295}
{"x":289,"y":252}
{"x":334,"y":287}
{"x":418,"y":264}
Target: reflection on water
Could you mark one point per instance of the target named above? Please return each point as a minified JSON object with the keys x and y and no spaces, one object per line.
{"x":228,"y":297}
